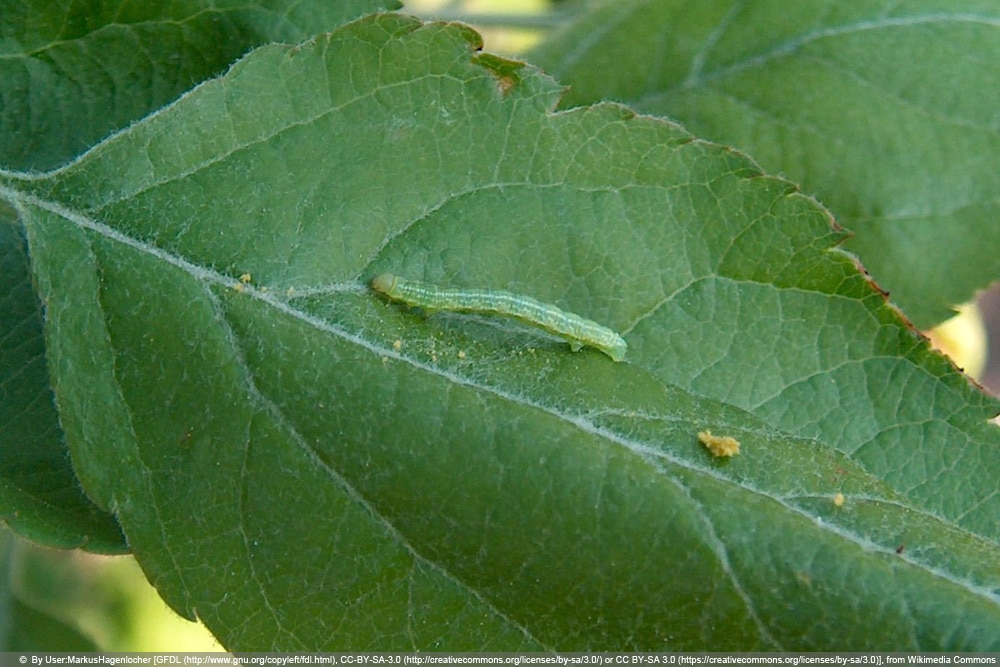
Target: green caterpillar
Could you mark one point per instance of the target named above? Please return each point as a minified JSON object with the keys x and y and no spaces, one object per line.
{"x":576,"y":330}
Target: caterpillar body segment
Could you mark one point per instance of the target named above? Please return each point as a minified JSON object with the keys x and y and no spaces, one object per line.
{"x":577,"y":331}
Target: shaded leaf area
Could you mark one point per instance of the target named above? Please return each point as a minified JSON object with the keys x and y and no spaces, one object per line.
{"x":33,"y":630}
{"x":73,"y":72}
{"x":304,"y":466}
{"x":885,"y":110}
{"x":40,"y":496}
{"x":70,"y":74}
{"x":24,"y":628}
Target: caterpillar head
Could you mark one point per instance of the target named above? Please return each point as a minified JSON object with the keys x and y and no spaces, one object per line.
{"x":384,"y":283}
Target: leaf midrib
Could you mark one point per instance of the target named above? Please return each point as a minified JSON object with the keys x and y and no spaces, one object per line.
{"x":650,"y":455}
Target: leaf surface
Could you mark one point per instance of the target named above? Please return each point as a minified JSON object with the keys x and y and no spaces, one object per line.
{"x":40,"y":496}
{"x":71,"y":73}
{"x":74,"y":72}
{"x":305,"y":466}
{"x":885,"y":110}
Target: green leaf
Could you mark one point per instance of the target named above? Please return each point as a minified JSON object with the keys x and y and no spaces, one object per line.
{"x":305,"y":466}
{"x":39,"y":493}
{"x":70,"y":74}
{"x":886,"y":110}
{"x":74,"y":72}
{"x":24,"y":628}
